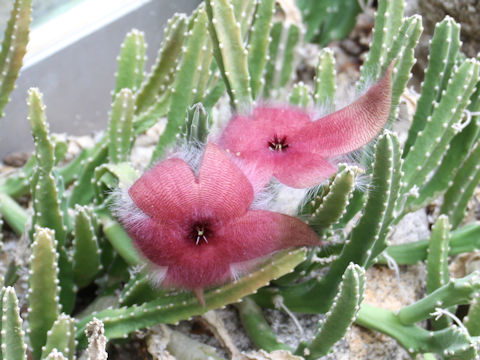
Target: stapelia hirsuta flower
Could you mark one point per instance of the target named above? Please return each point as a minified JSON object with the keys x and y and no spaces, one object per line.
{"x":286,"y":143}
{"x":199,"y":228}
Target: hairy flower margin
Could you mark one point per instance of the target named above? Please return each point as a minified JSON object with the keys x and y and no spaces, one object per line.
{"x":197,"y":228}
{"x":288,"y":144}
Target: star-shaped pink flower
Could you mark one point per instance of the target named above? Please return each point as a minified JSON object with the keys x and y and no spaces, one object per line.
{"x":199,"y":227}
{"x":285,"y":142}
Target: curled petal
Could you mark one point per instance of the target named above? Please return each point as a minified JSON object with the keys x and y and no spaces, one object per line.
{"x":224,"y":191}
{"x":166,"y":191}
{"x":302,"y":170}
{"x":353,"y":126}
{"x":259,"y":233}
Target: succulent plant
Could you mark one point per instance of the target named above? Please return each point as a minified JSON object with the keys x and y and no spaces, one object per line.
{"x":327,"y":20}
{"x":236,"y":50}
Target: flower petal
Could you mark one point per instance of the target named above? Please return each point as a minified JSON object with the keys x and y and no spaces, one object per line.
{"x":302,"y":170}
{"x":189,"y":265}
{"x":353,"y":126}
{"x":224,"y":191}
{"x":248,"y":138}
{"x":167,"y":191}
{"x":193,"y":276}
{"x":259,"y":233}
{"x":163,"y":245}
{"x":249,"y":134}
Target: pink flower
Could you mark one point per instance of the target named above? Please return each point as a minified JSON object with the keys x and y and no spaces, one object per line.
{"x":285,"y":143}
{"x":198,"y":228}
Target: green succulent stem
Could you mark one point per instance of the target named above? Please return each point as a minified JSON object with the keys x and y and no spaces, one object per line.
{"x":12,"y":335}
{"x":450,"y":343}
{"x":257,"y":327}
{"x":172,"y":309}
{"x":14,"y":214}
{"x":463,"y":240}
{"x":455,"y":292}
{"x":341,"y":315}
{"x":14,"y":47}
{"x":61,"y":337}
{"x":230,"y":52}
{"x":118,"y":238}
{"x":43,"y":297}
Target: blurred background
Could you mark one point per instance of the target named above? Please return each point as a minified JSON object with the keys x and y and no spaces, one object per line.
{"x":71,"y":57}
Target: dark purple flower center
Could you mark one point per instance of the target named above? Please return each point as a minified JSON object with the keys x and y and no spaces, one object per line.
{"x":278,"y":143}
{"x":200,"y":232}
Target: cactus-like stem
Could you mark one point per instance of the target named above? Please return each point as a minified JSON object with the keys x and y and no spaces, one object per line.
{"x":451,"y":343}
{"x":83,"y":191}
{"x":213,"y":94}
{"x":472,"y":320}
{"x":12,"y":335}
{"x":109,"y":177}
{"x":197,"y":125}
{"x":325,"y":87}
{"x":389,"y":147}
{"x":119,"y":322}
{"x":258,"y":44}
{"x":61,"y":337}
{"x":257,"y":327}
{"x":402,"y":51}
{"x":313,"y":15}
{"x":185,"y":87}
{"x":162,"y":74}
{"x":338,"y":22}
{"x":273,"y":50}
{"x":281,"y":56}
{"x":355,"y":205}
{"x":388,"y":21}
{"x":439,"y":130}
{"x":455,"y":292}
{"x":43,"y":296}
{"x":341,"y":315}
{"x":46,"y":201}
{"x":326,"y":209}
{"x":120,"y":129}
{"x":14,"y":46}
{"x":229,"y":51}
{"x":463,"y":240}
{"x":131,"y":62}
{"x":444,"y":47}
{"x":437,"y":262}
{"x":328,"y":20}
{"x":300,"y":95}
{"x":203,"y":77}
{"x":149,"y":117}
{"x":47,"y":194}
{"x":458,"y":150}
{"x":244,"y":12}
{"x":86,"y":251}
{"x":457,"y":196}
{"x":15,"y":215}
{"x":139,"y":290}
{"x":287,"y":59}
{"x":119,"y":239}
